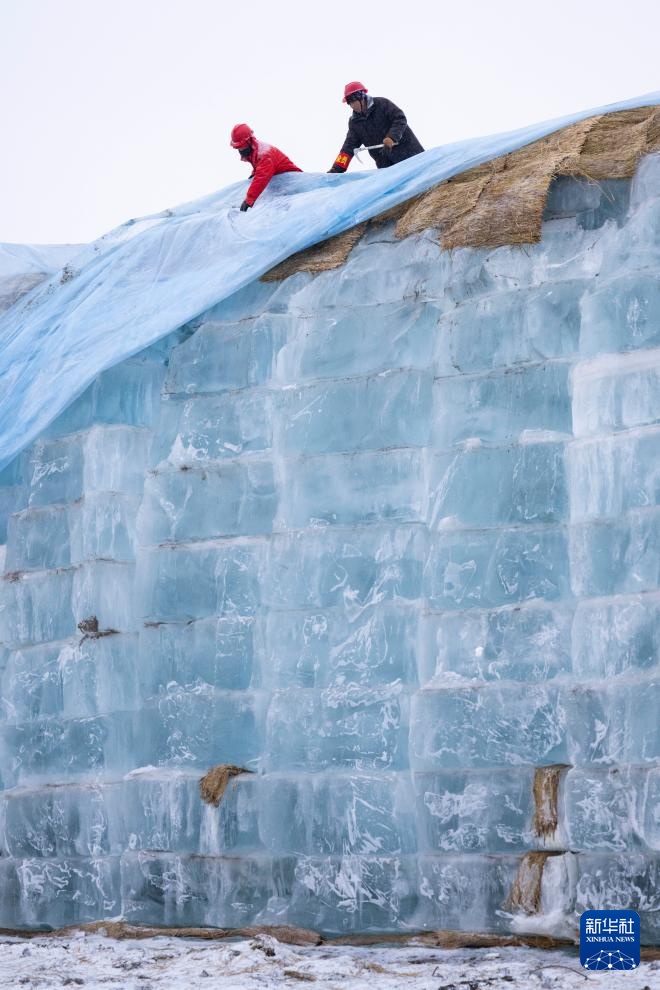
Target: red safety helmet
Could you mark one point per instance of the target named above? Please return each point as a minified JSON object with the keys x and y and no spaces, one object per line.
{"x":241,"y":136}
{"x":353,"y":87}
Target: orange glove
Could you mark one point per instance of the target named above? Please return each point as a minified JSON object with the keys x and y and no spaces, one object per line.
{"x":388,"y":142}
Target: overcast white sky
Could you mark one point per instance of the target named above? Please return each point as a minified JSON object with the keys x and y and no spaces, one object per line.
{"x":113,"y":109}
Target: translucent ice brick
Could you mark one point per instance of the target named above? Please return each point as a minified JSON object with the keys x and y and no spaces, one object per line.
{"x":359,"y":340}
{"x":220,"y":356}
{"x":524,"y":483}
{"x":501,"y":406}
{"x":616,"y":637}
{"x":609,"y":476}
{"x":475,"y":811}
{"x":464,"y":893}
{"x":509,"y":328}
{"x":216,"y":651}
{"x":618,"y":556}
{"x":59,"y":892}
{"x":326,"y":647}
{"x":603,"y":808}
{"x":616,"y":392}
{"x":489,"y":726}
{"x":387,"y":410}
{"x":349,"y":489}
{"x":622,"y":313}
{"x":496,"y":567}
{"x":54,"y":822}
{"x":213,"y":427}
{"x":232,"y":500}
{"x":194,"y":581}
{"x":530,"y":643}
{"x":352,"y":726}
{"x":356,"y":568}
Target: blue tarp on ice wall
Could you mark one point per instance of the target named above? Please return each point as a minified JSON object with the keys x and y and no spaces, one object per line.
{"x":146,"y":278}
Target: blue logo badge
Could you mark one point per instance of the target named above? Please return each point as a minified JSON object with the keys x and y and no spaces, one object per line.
{"x":609,"y":940}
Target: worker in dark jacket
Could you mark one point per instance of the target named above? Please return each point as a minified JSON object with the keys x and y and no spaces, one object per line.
{"x":375,"y":120}
{"x":266,"y":161}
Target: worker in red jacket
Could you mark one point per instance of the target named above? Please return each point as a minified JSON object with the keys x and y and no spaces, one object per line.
{"x":265,"y":159}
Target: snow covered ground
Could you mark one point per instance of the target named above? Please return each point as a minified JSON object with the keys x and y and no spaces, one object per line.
{"x":93,"y":961}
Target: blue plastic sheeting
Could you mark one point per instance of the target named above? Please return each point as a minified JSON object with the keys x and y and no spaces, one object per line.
{"x":146,"y":278}
{"x":34,"y":259}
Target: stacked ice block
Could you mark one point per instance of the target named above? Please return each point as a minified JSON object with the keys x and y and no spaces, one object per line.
{"x":388,"y":537}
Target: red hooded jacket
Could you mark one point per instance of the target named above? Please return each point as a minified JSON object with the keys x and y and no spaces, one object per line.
{"x":267,"y":161}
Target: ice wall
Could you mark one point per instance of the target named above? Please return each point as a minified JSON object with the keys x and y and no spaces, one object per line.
{"x":388,"y":537}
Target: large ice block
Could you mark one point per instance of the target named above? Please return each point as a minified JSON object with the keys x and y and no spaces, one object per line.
{"x":506,"y":329}
{"x":350,"y":489}
{"x":615,"y":392}
{"x":463,"y":892}
{"x":502,"y":406}
{"x":492,"y":567}
{"x":614,"y":724}
{"x":355,"y":568}
{"x":522,"y":643}
{"x":355,"y":341}
{"x":604,"y":809}
{"x":215,"y":651}
{"x":475,"y":811}
{"x":346,"y":727}
{"x":219,"y":357}
{"x":616,"y":556}
{"x":105,"y":459}
{"x":56,"y":822}
{"x":211,"y":428}
{"x":616,"y":637}
{"x":99,"y":525}
{"x":233,"y":499}
{"x":185,"y":582}
{"x":626,"y":881}
{"x":609,"y":476}
{"x":89,"y":675}
{"x":220,"y":892}
{"x":488,"y":726}
{"x":481,"y":486}
{"x":391,"y":409}
{"x":328,"y":648}
{"x":59,"y":892}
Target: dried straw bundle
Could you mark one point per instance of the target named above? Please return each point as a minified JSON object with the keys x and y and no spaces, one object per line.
{"x":214,"y":783}
{"x":546,"y":799}
{"x":319,"y":258}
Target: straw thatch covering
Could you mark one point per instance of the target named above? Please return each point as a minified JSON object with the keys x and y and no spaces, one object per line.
{"x":502,"y":201}
{"x":546,"y":799}
{"x":319,"y":258}
{"x":526,"y":889}
{"x":214,"y":783}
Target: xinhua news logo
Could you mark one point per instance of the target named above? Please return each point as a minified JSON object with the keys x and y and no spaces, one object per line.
{"x":609,"y":940}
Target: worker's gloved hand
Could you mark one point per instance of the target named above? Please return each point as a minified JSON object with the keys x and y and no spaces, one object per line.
{"x":335,"y":168}
{"x":245,"y":206}
{"x":388,"y":142}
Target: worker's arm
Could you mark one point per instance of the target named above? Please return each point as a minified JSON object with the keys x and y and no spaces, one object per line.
{"x":397,"y":123}
{"x":263,"y":172}
{"x":345,"y":156}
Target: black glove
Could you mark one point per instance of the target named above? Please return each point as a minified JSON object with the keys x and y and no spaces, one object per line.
{"x":335,"y":168}
{"x":245,"y":206}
